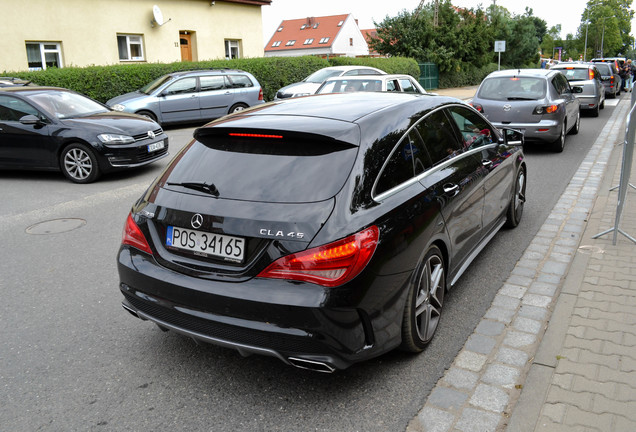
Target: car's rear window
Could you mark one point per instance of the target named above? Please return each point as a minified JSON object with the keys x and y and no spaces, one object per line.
{"x":576,"y":74}
{"x":266,"y":169}
{"x":513,"y":88}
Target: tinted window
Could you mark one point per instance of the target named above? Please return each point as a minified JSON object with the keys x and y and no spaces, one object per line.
{"x":407,"y":160}
{"x":272,"y":170}
{"x":215,"y":82}
{"x":513,"y":88}
{"x":12,"y":109}
{"x":475,"y":131}
{"x":185,"y":85}
{"x":438,"y":136}
{"x":240,"y":81}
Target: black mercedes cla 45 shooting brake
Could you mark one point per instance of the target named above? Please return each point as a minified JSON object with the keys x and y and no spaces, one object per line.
{"x":323,"y":230}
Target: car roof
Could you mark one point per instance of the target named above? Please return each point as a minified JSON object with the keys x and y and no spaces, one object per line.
{"x":573,"y":65}
{"x":540,"y":73}
{"x":358,"y":105}
{"x":367,"y":77}
{"x":33,"y":89}
{"x":205,"y":72}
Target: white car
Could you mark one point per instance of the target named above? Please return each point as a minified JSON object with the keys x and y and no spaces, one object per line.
{"x":376,"y":83}
{"x":310,"y":84}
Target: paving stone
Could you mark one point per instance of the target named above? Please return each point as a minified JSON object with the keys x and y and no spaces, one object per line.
{"x":501,"y":375}
{"x":517,"y":339}
{"x":471,"y":360}
{"x":490,"y":328}
{"x":461,"y":378}
{"x":480,"y":343}
{"x":435,"y":420}
{"x":473,"y":420}
{"x":527,"y":325}
{"x":447,"y":398}
{"x":512,"y":357}
{"x":490,"y":398}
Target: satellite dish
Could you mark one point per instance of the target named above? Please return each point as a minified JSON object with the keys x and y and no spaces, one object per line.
{"x":158,"y":16}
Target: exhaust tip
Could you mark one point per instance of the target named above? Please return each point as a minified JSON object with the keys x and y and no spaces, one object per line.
{"x":311,"y":365}
{"x":130,"y":310}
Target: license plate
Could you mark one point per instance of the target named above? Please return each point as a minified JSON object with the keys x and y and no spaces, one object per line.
{"x":206,"y":244}
{"x":156,"y":146}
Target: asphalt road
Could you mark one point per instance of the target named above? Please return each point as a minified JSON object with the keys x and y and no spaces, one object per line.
{"x":71,"y":359}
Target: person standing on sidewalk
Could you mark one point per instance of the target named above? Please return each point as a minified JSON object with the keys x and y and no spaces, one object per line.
{"x":630,"y":71}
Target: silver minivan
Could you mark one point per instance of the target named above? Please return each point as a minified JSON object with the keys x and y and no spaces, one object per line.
{"x":538,"y":102}
{"x":192,"y":96}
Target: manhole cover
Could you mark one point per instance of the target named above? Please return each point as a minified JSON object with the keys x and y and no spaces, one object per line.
{"x":56,"y":226}
{"x":588,"y":249}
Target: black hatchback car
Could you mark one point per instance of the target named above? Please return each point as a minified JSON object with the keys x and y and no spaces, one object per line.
{"x":322,"y":230}
{"x":48,"y":128}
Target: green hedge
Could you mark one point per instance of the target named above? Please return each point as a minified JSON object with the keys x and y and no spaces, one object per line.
{"x":105,"y":82}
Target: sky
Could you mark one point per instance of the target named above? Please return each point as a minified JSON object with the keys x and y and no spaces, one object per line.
{"x":567,"y":13}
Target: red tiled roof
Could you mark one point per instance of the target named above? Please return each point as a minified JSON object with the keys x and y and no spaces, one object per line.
{"x":304,"y":30}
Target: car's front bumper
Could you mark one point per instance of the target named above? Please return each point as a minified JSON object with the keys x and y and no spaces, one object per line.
{"x":135,"y":154}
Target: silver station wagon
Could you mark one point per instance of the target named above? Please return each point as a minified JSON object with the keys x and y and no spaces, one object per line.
{"x":192,"y":96}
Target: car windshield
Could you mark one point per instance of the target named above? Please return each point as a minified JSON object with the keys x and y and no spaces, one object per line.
{"x":321,"y":75}
{"x":604,"y":68}
{"x":61,"y":104}
{"x":576,"y":74}
{"x":513,"y":88}
{"x":152,"y":86}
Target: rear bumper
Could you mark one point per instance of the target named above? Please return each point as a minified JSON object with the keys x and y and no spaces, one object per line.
{"x":589,"y":102}
{"x":302,"y":325}
{"x":545,"y":130}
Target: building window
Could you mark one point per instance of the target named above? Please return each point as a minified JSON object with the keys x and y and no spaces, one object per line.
{"x":303,"y":27}
{"x":316,"y":25}
{"x":232,"y":50}
{"x":280,"y":29}
{"x":42,"y":55}
{"x":130,"y":47}
{"x":324,"y":40}
{"x":275,"y":44}
{"x":290,"y":42}
{"x":309,"y":41}
{"x":350,"y":41}
{"x":340,"y":23}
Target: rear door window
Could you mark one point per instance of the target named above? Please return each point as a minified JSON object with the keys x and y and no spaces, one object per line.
{"x":408,"y":159}
{"x":438,"y":136}
{"x":214,"y":82}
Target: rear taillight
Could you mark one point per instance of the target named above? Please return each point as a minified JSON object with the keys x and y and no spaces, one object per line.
{"x":132,"y":236}
{"x":260,"y":94}
{"x":548,"y":109}
{"x":329,"y":265}
{"x":591,"y":74}
{"x":478,"y":107}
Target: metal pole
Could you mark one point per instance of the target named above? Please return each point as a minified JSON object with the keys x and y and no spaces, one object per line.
{"x":587,"y":24}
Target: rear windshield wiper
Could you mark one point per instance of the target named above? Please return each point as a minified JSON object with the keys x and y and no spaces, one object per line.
{"x":521,"y":98}
{"x":198,"y":186}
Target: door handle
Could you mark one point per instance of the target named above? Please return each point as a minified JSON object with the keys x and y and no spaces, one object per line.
{"x":451,"y":189}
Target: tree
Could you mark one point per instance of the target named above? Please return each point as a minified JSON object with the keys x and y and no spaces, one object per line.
{"x":608,"y":27}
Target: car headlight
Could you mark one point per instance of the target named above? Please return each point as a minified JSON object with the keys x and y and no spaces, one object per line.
{"x":118,"y":107}
{"x":115,"y":139}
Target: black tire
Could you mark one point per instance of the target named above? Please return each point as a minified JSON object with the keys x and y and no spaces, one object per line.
{"x":559,"y":144}
{"x":595,"y":111}
{"x":424,"y":303}
{"x":237,"y":107}
{"x":577,"y":124}
{"x":79,"y":163}
{"x":148,"y":114}
{"x":517,"y":201}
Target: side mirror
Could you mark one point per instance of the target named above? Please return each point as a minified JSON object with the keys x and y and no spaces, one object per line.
{"x":30,"y":120}
{"x":513,"y":137}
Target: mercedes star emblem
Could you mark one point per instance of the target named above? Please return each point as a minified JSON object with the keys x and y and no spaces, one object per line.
{"x":196,"y":221}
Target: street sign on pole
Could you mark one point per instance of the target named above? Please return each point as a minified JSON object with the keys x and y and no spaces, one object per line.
{"x":500,"y":46}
